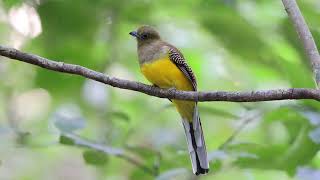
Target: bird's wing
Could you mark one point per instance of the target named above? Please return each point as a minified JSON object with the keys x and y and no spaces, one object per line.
{"x":193,"y":129}
{"x":178,"y":59}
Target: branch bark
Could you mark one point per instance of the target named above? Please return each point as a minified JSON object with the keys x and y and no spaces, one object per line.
{"x":252,"y":96}
{"x":305,"y":36}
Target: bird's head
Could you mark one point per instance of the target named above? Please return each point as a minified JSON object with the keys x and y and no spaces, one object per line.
{"x":145,"y":34}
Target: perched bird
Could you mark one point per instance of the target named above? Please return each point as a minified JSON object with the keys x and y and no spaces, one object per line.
{"x":164,"y":66}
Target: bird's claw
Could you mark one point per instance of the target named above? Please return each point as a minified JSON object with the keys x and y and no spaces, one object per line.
{"x":172,"y":89}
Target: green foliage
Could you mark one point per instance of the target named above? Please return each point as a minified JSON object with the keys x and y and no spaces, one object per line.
{"x":230,"y":45}
{"x":96,"y":158}
{"x":120,"y":115}
{"x":12,"y":3}
{"x":239,"y":30}
{"x":66,"y":140}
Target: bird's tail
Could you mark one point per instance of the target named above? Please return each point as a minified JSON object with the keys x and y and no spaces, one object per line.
{"x":196,"y":144}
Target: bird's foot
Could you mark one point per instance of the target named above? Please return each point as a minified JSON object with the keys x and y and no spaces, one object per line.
{"x":172,"y":89}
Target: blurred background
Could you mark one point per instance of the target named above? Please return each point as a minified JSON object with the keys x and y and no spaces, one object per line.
{"x":47,"y":117}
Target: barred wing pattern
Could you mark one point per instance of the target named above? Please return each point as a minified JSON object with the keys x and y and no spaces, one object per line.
{"x":179,"y":60}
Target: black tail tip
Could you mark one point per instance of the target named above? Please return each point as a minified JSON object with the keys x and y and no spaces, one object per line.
{"x":202,"y":171}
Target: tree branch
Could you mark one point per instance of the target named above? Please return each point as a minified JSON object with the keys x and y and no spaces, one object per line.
{"x":253,"y":96}
{"x":305,"y":36}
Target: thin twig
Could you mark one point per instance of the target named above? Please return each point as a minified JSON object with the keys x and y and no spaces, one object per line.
{"x":305,"y":36}
{"x":253,"y":96}
{"x":109,"y":151}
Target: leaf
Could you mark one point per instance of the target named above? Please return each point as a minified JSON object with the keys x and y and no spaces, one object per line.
{"x":120,"y":115}
{"x":140,"y":174}
{"x":255,"y":156}
{"x":302,"y":151}
{"x":10,"y":3}
{"x":291,"y":118}
{"x":66,"y":140}
{"x":288,"y":157}
{"x":93,"y":157}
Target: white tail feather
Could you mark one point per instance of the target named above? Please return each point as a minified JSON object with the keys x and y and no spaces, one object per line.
{"x":196,"y":144}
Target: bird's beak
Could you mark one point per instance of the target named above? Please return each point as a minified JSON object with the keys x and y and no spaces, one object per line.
{"x":134,"y":33}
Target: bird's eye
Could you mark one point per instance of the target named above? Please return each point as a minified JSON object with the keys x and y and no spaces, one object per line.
{"x":144,"y":36}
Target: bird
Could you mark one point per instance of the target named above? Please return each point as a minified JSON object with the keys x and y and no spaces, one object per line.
{"x":164,"y":66}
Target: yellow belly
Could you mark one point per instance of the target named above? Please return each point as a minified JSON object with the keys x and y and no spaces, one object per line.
{"x":165,"y":74}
